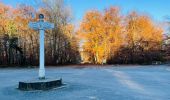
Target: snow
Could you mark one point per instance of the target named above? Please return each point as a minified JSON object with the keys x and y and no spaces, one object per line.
{"x":124,"y":79}
{"x":92,"y":83}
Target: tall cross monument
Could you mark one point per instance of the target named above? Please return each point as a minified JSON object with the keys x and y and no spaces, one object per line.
{"x":41,"y":26}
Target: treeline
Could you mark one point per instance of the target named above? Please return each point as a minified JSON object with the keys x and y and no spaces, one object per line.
{"x":113,"y":38}
{"x":102,"y":37}
{"x":19,"y":45}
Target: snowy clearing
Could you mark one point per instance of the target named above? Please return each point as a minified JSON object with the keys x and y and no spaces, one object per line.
{"x":92,"y":83}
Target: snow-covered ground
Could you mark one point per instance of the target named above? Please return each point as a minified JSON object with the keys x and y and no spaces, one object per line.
{"x":92,"y":83}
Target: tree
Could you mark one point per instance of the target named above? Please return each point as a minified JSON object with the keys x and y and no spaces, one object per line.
{"x":143,"y":39}
{"x":102,"y":34}
{"x":18,"y":41}
{"x":112,"y":38}
{"x":91,"y":26}
{"x":63,"y":49}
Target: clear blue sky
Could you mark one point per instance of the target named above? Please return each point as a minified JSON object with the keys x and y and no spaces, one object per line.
{"x":158,"y":9}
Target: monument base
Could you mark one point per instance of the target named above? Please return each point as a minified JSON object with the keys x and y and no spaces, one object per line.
{"x":44,"y":84}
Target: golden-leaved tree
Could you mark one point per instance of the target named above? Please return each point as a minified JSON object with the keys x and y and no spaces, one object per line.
{"x":113,"y":38}
{"x":143,"y":40}
{"x":20,"y":45}
{"x":102,"y":34}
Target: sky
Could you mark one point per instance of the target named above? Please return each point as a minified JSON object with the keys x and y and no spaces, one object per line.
{"x":157,"y":9}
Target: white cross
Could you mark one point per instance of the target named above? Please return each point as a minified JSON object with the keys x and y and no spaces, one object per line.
{"x":41,"y":26}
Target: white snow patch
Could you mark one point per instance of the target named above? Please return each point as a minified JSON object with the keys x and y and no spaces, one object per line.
{"x":124,"y":79}
{"x":93,"y":98}
{"x":168,"y":69}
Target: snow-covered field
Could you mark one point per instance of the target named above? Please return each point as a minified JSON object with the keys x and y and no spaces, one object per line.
{"x":92,"y":83}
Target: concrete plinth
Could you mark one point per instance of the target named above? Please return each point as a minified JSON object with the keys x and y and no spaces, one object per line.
{"x":45,"y":84}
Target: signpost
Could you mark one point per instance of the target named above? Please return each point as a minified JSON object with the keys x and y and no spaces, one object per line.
{"x":41,"y":83}
{"x":41,"y":26}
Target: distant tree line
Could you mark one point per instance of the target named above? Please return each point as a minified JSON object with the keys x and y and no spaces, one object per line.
{"x":113,"y":38}
{"x":102,"y":37}
{"x":19,"y":45}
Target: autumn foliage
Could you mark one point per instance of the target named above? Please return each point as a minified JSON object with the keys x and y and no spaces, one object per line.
{"x":105,"y":36}
{"x":110,"y":37}
{"x":19,"y":45}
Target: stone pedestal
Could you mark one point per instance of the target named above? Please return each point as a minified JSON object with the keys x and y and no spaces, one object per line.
{"x":44,"y":84}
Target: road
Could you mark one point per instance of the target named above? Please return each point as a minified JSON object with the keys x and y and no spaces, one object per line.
{"x":92,"y":83}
